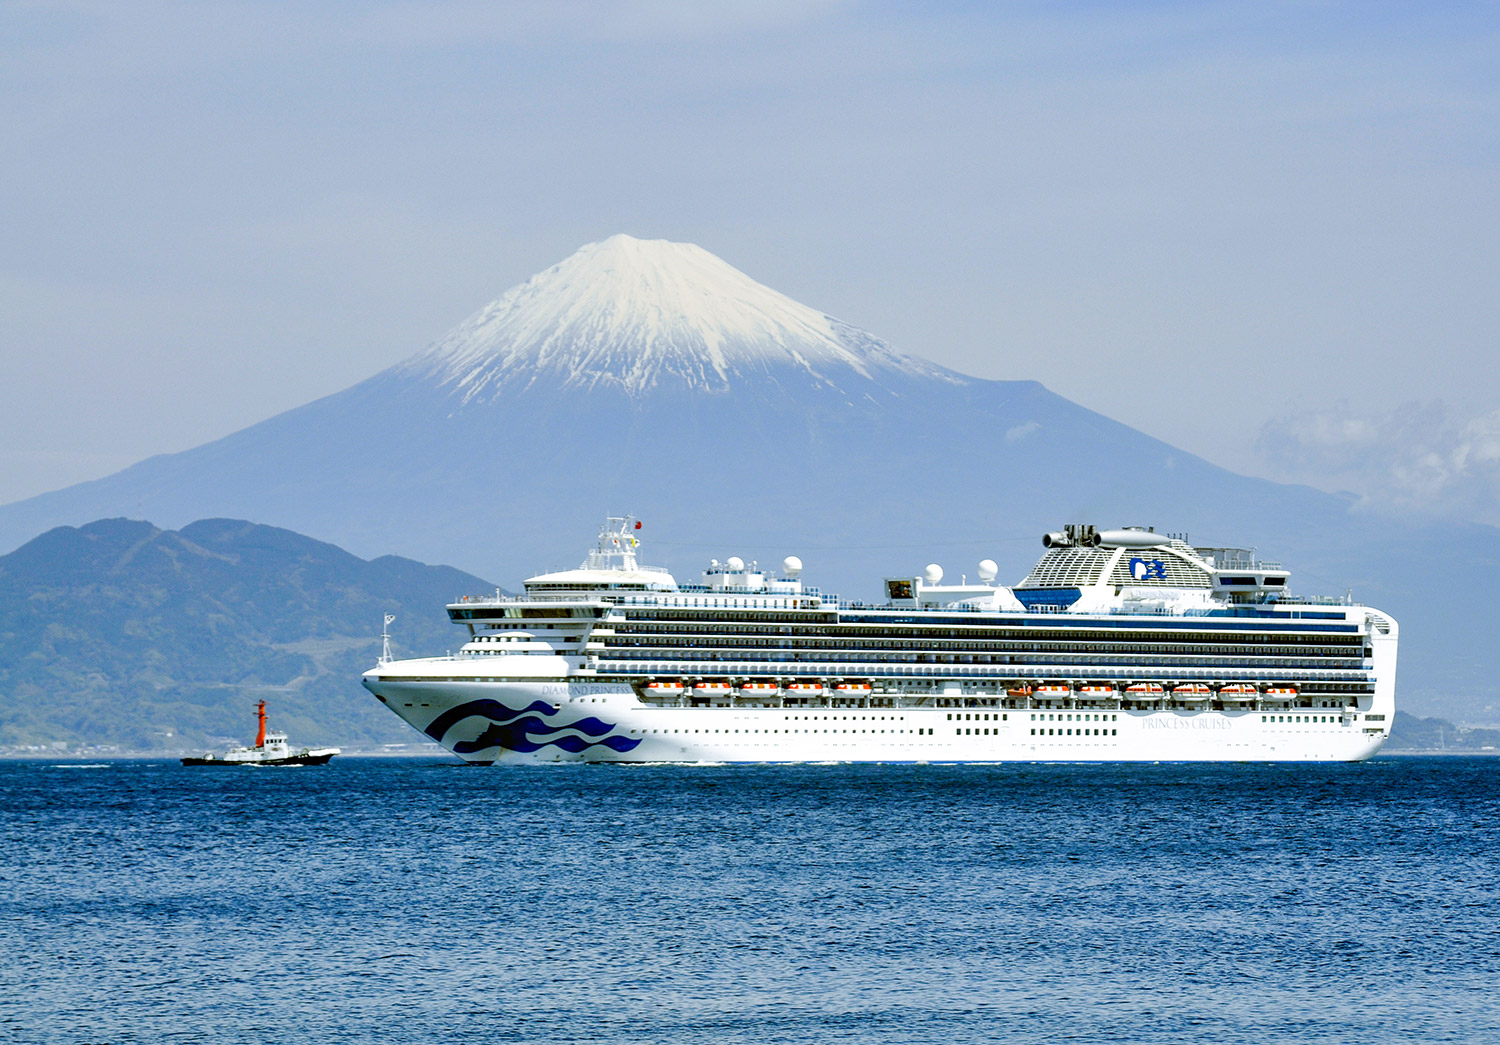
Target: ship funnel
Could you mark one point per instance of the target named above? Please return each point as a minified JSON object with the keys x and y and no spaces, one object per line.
{"x":1132,"y":539}
{"x":1081,"y":534}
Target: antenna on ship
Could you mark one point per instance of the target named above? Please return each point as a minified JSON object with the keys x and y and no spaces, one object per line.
{"x":385,"y":639}
{"x":617,"y":545}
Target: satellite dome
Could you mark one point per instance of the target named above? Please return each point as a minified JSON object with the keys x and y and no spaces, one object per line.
{"x":791,"y":566}
{"x":933,"y":574}
{"x":735,"y":563}
{"x":988,"y":570}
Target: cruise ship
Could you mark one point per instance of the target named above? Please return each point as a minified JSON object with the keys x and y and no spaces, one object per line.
{"x":1120,"y":645}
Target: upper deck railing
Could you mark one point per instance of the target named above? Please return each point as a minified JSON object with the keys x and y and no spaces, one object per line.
{"x":703,"y":597}
{"x":1237,"y":559}
{"x":691,"y":596}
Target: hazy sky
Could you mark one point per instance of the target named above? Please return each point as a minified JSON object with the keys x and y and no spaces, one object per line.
{"x":1267,"y":233}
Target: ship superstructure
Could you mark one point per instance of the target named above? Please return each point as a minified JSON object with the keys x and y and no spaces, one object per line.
{"x":1119,"y":645}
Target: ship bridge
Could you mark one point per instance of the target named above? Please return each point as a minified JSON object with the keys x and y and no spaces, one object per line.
{"x":610,"y":566}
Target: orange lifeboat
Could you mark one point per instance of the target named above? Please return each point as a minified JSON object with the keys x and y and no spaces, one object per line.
{"x":1281,"y":692}
{"x":759,"y":689}
{"x":1144,"y":691}
{"x":664,"y":687}
{"x":1053,"y":691}
{"x":853,"y":689}
{"x":1238,"y":691}
{"x":1019,"y":690}
{"x":1096,"y":690}
{"x":712,"y":689}
{"x":805,"y":689}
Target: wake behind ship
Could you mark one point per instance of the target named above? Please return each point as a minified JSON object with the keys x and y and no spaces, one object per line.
{"x":1119,"y":645}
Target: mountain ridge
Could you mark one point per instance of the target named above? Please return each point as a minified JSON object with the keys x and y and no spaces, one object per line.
{"x":121,"y":633}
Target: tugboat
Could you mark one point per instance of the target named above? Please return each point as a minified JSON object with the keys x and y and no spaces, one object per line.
{"x":271,"y":749}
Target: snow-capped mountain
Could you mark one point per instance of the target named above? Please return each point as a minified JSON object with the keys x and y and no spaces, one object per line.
{"x":640,"y":315}
{"x":653,"y":378}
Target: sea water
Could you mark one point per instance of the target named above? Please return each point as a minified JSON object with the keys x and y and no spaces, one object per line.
{"x":419,"y":900}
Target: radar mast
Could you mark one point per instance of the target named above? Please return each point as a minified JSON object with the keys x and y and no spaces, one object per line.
{"x":617,"y":545}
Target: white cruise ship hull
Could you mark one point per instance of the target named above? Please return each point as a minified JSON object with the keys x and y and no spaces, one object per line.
{"x":486,"y":722}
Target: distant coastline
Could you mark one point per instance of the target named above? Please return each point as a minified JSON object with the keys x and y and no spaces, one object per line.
{"x":86,"y":754}
{"x":1410,"y":735}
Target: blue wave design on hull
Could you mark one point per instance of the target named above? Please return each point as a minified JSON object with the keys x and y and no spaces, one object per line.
{"x":490,"y":709}
{"x":509,"y":730}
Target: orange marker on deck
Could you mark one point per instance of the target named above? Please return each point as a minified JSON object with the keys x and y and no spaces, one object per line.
{"x":271,"y":749}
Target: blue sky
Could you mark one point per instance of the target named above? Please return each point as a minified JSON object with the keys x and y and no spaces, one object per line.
{"x":1263,"y":232}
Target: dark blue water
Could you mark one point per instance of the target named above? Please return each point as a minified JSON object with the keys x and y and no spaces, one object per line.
{"x":395,"y":901}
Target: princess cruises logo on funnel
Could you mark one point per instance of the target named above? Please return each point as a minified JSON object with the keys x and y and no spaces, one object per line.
{"x":1148,"y":569}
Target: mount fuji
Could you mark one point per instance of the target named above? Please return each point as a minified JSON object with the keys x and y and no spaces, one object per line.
{"x":638,"y":317}
{"x":654,"y":378}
